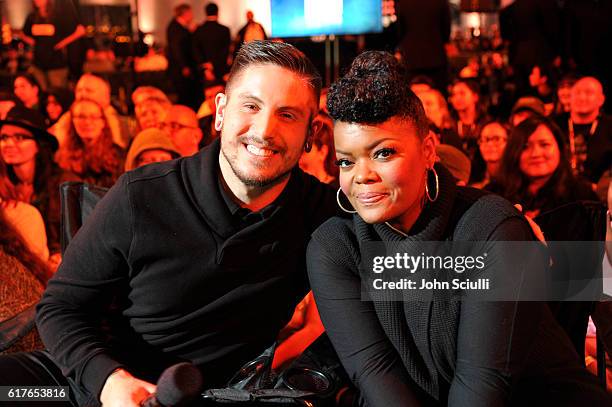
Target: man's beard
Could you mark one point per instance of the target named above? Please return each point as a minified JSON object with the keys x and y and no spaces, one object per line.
{"x":251,"y":181}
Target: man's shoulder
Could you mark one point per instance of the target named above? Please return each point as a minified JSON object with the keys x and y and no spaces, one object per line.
{"x":155,"y":171}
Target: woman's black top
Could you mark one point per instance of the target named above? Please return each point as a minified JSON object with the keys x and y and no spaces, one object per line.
{"x":472,"y":353}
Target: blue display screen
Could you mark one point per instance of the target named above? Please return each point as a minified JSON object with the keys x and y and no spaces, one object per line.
{"x":304,"y":18}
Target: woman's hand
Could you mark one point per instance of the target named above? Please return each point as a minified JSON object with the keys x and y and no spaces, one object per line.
{"x":534,"y":226}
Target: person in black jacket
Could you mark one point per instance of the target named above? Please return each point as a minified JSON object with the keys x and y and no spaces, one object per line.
{"x":413,"y":346}
{"x":195,"y":254}
{"x":181,"y":65}
{"x":211,"y":43}
{"x":425,"y":28}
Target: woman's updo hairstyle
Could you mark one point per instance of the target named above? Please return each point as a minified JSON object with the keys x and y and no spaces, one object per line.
{"x":375,"y":89}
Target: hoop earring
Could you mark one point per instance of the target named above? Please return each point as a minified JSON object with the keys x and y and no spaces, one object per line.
{"x":307,"y":146}
{"x":427,"y":185}
{"x":340,"y":204}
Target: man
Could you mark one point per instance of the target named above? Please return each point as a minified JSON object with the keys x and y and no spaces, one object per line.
{"x":196,"y":254}
{"x":150,"y":107}
{"x":181,"y":124}
{"x":589,"y":131}
{"x":425,"y":28}
{"x":251,"y":31}
{"x":97,"y":89}
{"x":211,"y":42}
{"x":181,"y":66}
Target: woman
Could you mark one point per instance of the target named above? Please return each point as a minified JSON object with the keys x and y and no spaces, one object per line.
{"x":544,"y":178}
{"x":491,"y":145}
{"x":422,"y":351}
{"x":50,"y":31}
{"x":27,"y":89}
{"x":437,"y":112}
{"x":465,"y":99}
{"x":56,"y":103}
{"x":88,"y":150}
{"x":23,"y":276}
{"x":28,"y":172}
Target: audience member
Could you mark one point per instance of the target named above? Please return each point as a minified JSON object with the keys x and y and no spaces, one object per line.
{"x":319,"y":159}
{"x":536,"y":147}
{"x":437,"y":112}
{"x":23,"y":276}
{"x":181,"y":124}
{"x":150,"y":107}
{"x":465,"y":99}
{"x":88,"y":150}
{"x":181,"y":65}
{"x":211,"y":46}
{"x":564,"y":95}
{"x":425,"y":28}
{"x":29,"y":172}
{"x":56,"y":102}
{"x":93,"y":87}
{"x":251,"y":31}
{"x":589,"y":131}
{"x":50,"y":29}
{"x":27,"y":89}
{"x":491,"y":145}
{"x":150,"y":146}
{"x":525,"y":107}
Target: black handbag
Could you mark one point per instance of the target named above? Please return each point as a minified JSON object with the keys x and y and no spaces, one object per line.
{"x":316,"y":378}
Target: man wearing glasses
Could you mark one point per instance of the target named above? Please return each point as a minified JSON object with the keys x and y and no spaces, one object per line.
{"x":181,"y":124}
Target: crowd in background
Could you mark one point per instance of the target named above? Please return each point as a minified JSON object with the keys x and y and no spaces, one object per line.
{"x":532,"y":128}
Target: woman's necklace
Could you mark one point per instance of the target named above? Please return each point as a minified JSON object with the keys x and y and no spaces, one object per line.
{"x":396,"y":229}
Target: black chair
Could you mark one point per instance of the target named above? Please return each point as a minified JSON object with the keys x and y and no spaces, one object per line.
{"x":583,"y":221}
{"x":78,"y":199}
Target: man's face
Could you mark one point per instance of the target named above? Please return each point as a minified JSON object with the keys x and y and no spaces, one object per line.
{"x":587,"y":96}
{"x":264,"y":122}
{"x":462,"y":97}
{"x":91,"y":87}
{"x":150,"y":114}
{"x":181,"y":124}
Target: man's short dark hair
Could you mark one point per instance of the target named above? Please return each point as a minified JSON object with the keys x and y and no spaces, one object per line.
{"x":375,"y":89}
{"x":181,"y":9}
{"x":211,"y":9}
{"x":275,"y":53}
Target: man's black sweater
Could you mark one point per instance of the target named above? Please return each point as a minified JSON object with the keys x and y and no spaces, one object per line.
{"x":186,"y":279}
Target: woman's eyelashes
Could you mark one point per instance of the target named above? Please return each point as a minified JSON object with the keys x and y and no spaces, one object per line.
{"x":343,"y":163}
{"x":381,"y":154}
{"x":384,"y":153}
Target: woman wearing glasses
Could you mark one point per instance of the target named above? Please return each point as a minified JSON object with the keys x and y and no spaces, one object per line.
{"x":535,"y":171}
{"x":28,"y":172}
{"x":491,"y":145}
{"x":88,"y":150}
{"x":414,"y":348}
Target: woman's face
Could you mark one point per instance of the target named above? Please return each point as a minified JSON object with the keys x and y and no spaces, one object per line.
{"x":383,"y":169}
{"x":492,"y":142}
{"x":540,"y":157}
{"x":88,"y":120}
{"x":17,"y":145}
{"x":54,"y":109}
{"x":25,"y":91}
{"x":431,"y":104}
{"x":462,"y":97}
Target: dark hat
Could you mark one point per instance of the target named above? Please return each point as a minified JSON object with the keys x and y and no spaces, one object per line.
{"x":33,"y":122}
{"x":531,"y":104}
